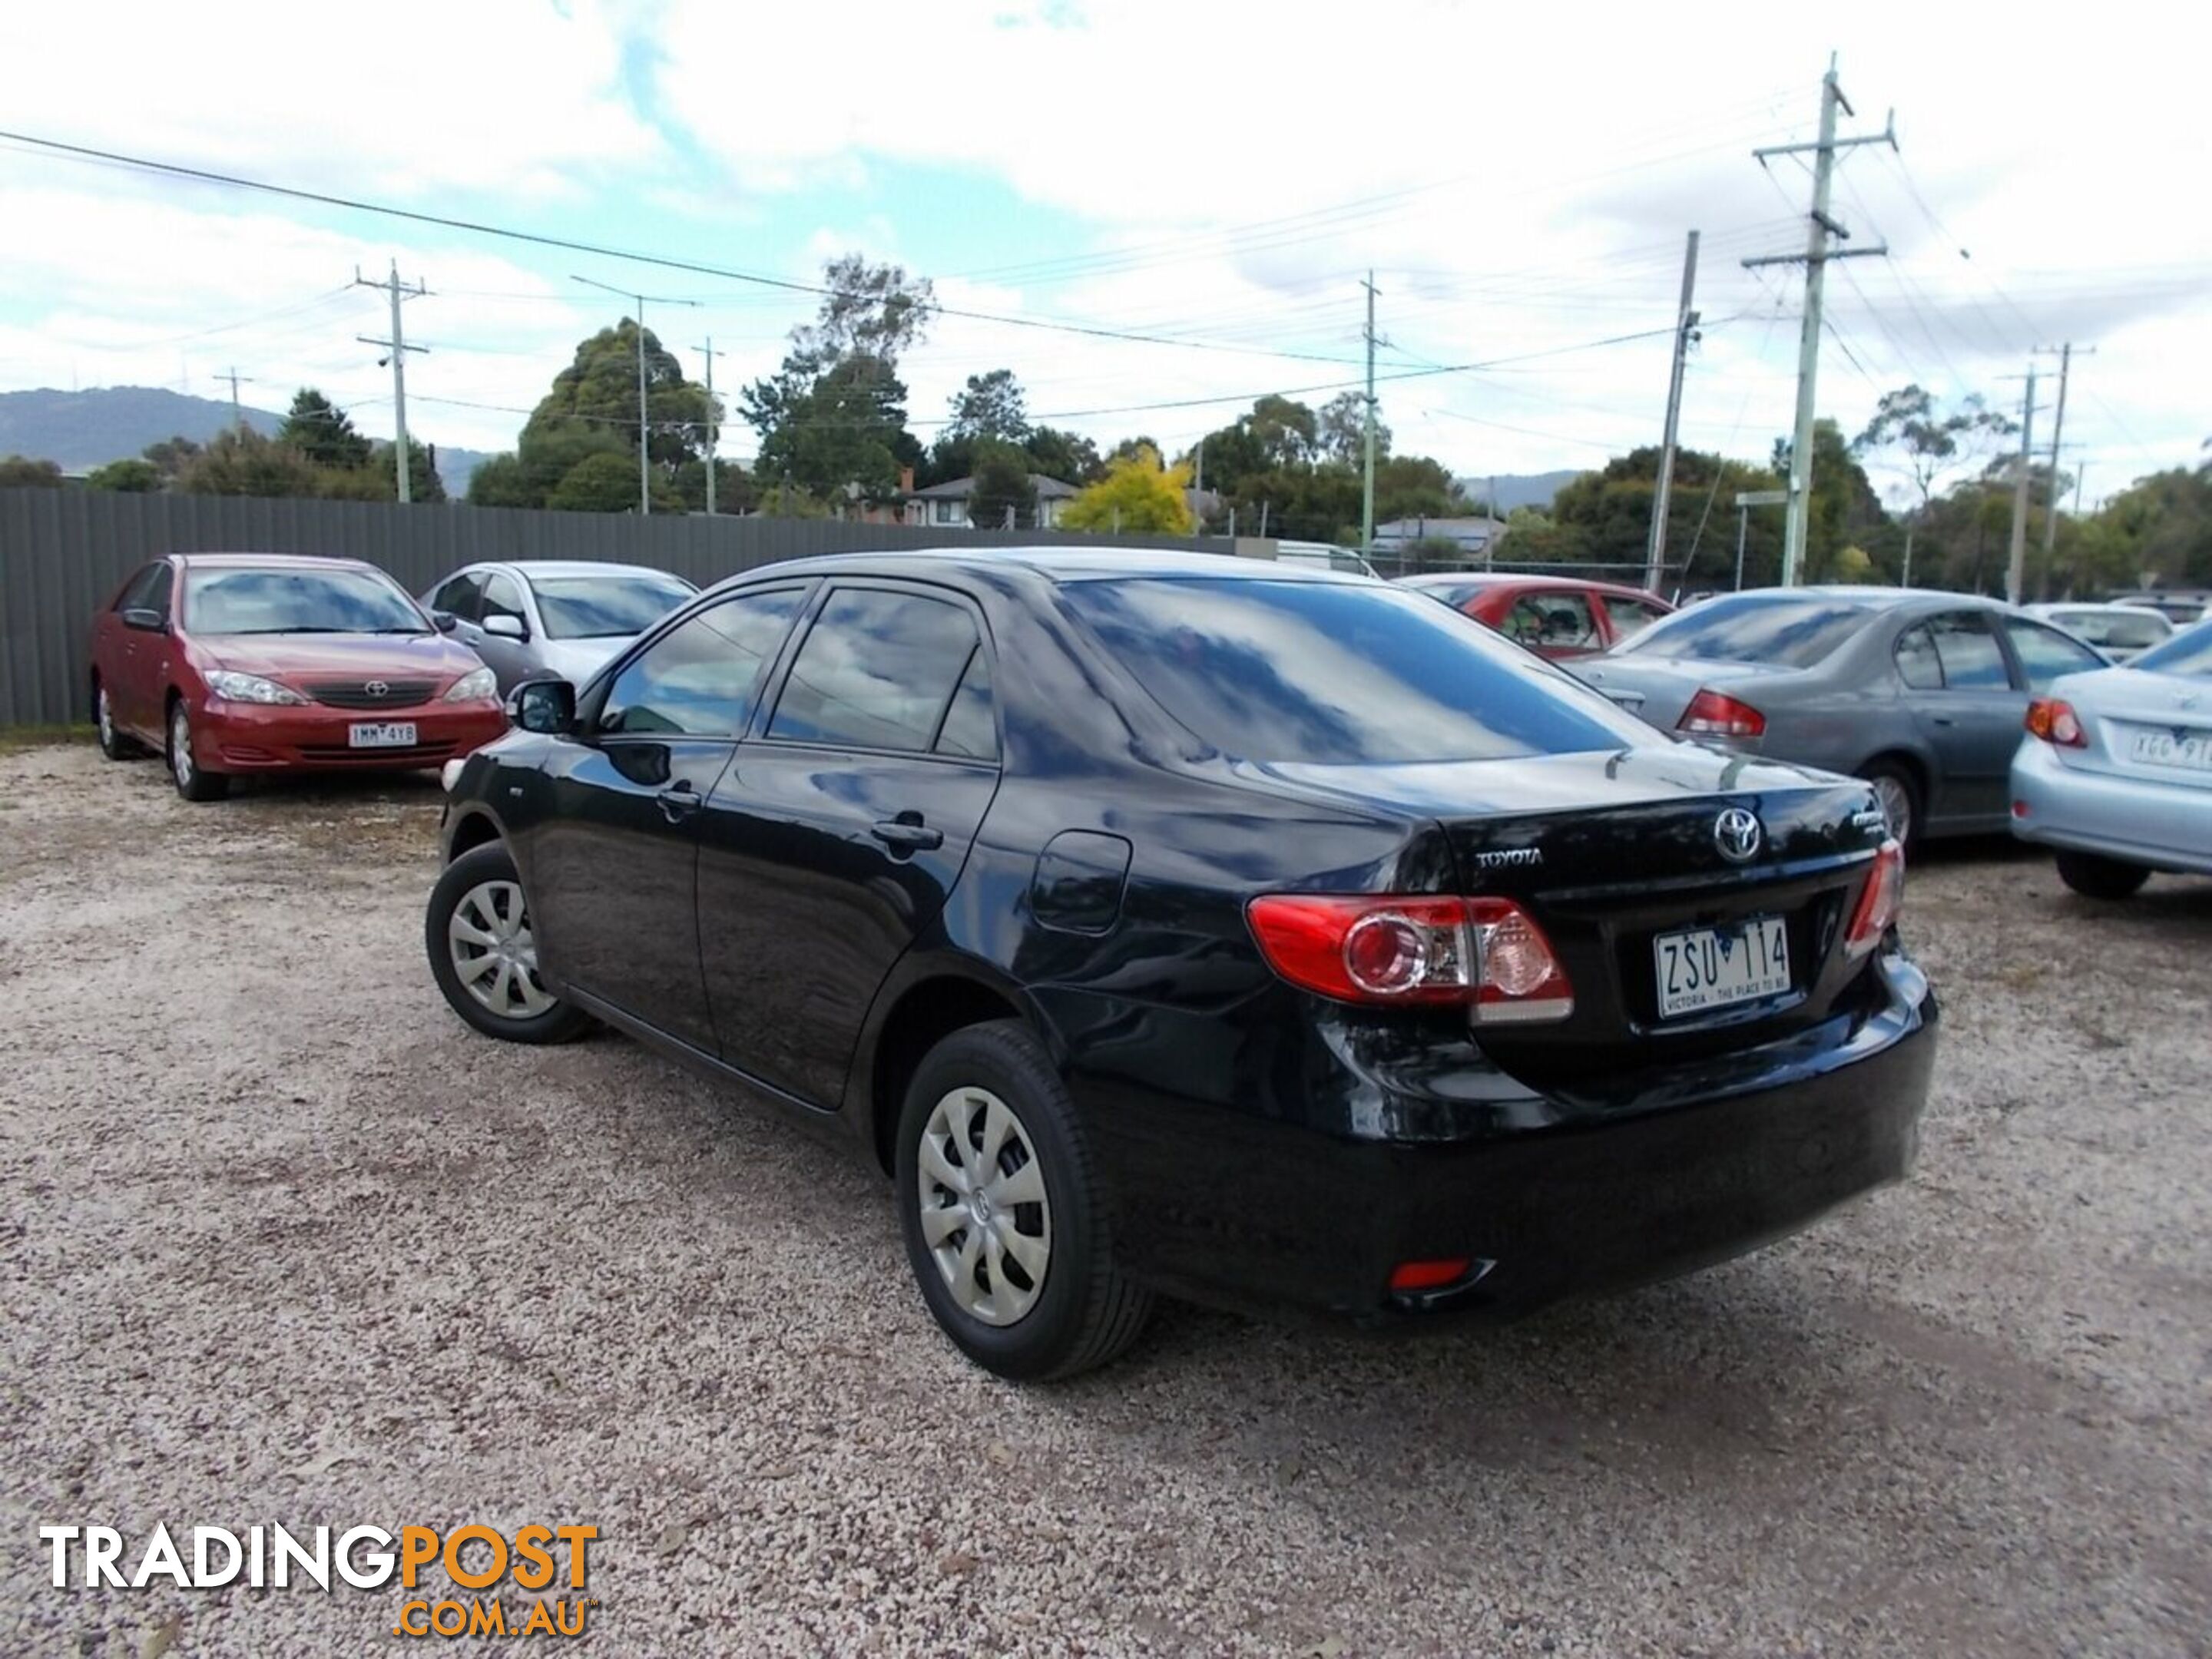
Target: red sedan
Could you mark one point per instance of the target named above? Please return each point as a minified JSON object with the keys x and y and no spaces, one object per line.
{"x":1552,"y":616}
{"x":229,"y":663}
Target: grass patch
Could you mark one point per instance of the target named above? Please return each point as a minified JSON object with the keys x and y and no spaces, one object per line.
{"x":14,"y":739}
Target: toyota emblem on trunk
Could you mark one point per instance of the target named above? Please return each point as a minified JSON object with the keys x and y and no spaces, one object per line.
{"x":1737,"y":833}
{"x":376,"y":688}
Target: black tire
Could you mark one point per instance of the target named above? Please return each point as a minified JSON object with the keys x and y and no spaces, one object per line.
{"x":1896,"y":776}
{"x":1085,"y":1312}
{"x":193,"y":782}
{"x":113,"y":743}
{"x":488,"y":865}
{"x":2098,"y":878}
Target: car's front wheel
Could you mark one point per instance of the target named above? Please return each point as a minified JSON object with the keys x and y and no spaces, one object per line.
{"x":2098,"y":878}
{"x":1005,"y":1225}
{"x":193,"y":781}
{"x":484,"y":953}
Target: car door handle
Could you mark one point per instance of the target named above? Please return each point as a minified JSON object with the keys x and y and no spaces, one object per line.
{"x":679,"y":802}
{"x":1942,"y":720}
{"x":902,"y":835}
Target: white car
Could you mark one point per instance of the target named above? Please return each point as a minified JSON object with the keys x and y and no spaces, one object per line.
{"x":2122,"y":632}
{"x":2116,"y":770}
{"x":1323,"y":555}
{"x":529,"y":618}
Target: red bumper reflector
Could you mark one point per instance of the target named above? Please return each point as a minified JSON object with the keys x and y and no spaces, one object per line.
{"x":1408,"y":1276}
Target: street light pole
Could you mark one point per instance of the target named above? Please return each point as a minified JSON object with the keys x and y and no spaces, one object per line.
{"x":644,"y":425}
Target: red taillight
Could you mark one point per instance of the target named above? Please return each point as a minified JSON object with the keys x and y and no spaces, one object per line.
{"x":1879,"y":901}
{"x":1714,"y":713}
{"x":1407,"y":948}
{"x":2055,"y":721}
{"x":1411,"y":1277}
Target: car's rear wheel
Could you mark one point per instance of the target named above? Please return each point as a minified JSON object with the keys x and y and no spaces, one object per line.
{"x":1006,"y":1227}
{"x":194,"y":781}
{"x":2098,"y":878}
{"x":113,"y":743}
{"x":1899,"y":791}
{"x":484,"y":953}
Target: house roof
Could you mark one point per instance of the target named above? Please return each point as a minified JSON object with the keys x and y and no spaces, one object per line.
{"x":959,"y":489}
{"x":1439,"y":526}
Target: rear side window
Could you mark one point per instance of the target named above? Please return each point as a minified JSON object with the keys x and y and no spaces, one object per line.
{"x":699,"y":678}
{"x":1917,"y":664}
{"x":1291,"y":672}
{"x":877,"y":671}
{"x":1795,"y":631}
{"x":1973,"y":661}
{"x":2046,"y":653}
{"x":1559,"y":621}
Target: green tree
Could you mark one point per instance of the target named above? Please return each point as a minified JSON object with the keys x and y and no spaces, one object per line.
{"x":423,"y":483}
{"x":130,"y":477}
{"x":323,"y":432}
{"x":734,"y":489}
{"x":1063,"y":455}
{"x":18,"y":470}
{"x":1914,"y":436}
{"x":1340,"y":431}
{"x":605,"y":482}
{"x":1417,"y":487}
{"x":1003,"y":496}
{"x":169,"y":456}
{"x":241,"y":462}
{"x":1605,"y":518}
{"x":598,"y":388}
{"x":500,"y":482}
{"x":990,"y":406}
{"x":832,"y":419}
{"x":1137,"y":494}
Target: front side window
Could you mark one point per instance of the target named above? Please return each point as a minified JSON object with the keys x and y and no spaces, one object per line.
{"x":1287,"y":673}
{"x":1558,"y":621}
{"x":138,"y":593}
{"x":1973,"y":661}
{"x":699,"y":678}
{"x":877,"y":671}
{"x":2046,"y":653}
{"x":462,"y":597}
{"x":502,"y":597}
{"x":297,"y":599}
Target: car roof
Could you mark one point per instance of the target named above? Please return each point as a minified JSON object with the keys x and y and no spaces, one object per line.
{"x":536,"y":567}
{"x":1055,"y":564}
{"x":270,"y":561}
{"x":1524,"y":579}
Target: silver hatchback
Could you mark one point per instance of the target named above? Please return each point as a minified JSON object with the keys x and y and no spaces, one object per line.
{"x":562,"y":617}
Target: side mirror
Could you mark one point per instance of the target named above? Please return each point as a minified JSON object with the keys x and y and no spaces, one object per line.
{"x":146,"y":620}
{"x":544,"y":706}
{"x":505,"y":627}
{"x":444,"y":621}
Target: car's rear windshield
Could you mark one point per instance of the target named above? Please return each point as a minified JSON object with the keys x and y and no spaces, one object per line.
{"x":291,"y":599}
{"x":2189,"y":654}
{"x":1290,"y":672}
{"x":1793,"y":630}
{"x":605,"y":607}
{"x":2121,"y":630}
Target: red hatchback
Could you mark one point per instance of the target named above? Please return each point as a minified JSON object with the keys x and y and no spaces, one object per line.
{"x":1552,"y":616}
{"x":229,"y":663}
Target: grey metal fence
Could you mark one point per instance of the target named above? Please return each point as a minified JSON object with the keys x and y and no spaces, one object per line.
{"x":64,"y":553}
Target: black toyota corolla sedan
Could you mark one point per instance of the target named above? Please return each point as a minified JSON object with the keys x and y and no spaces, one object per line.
{"x":1174,"y":925}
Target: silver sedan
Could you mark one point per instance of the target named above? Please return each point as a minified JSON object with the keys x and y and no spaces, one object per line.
{"x":2116,"y":771}
{"x":561,"y":616}
{"x":1921,"y":694}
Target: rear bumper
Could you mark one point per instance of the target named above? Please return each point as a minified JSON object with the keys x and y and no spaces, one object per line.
{"x":1679,"y":1172}
{"x":2161,"y":826}
{"x":233,"y":737}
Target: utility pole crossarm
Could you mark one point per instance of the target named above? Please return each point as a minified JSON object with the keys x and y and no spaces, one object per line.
{"x":1880,"y":250}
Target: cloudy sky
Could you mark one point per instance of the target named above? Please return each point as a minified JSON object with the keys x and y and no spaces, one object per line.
{"x":1218,"y":175}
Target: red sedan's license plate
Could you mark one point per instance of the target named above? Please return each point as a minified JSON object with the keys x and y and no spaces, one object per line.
{"x":381,"y":734}
{"x":1702,"y":967}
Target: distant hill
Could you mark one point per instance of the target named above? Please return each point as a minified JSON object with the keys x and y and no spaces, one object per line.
{"x":1522,"y":488}
{"x":81,"y":430}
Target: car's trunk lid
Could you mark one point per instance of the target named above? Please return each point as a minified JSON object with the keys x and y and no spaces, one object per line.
{"x":2157,"y":727}
{"x":1659,"y":689}
{"x":1613,"y":854}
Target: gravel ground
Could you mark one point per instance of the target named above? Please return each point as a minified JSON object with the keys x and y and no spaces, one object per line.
{"x":284,"y":1241}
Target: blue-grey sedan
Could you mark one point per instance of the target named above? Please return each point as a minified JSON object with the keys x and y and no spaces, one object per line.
{"x":1921,"y":694}
{"x":2116,"y":770}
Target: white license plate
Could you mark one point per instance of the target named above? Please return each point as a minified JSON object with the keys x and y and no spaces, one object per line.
{"x":381,"y":734}
{"x":2192,"y":753}
{"x":1703,"y":968}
